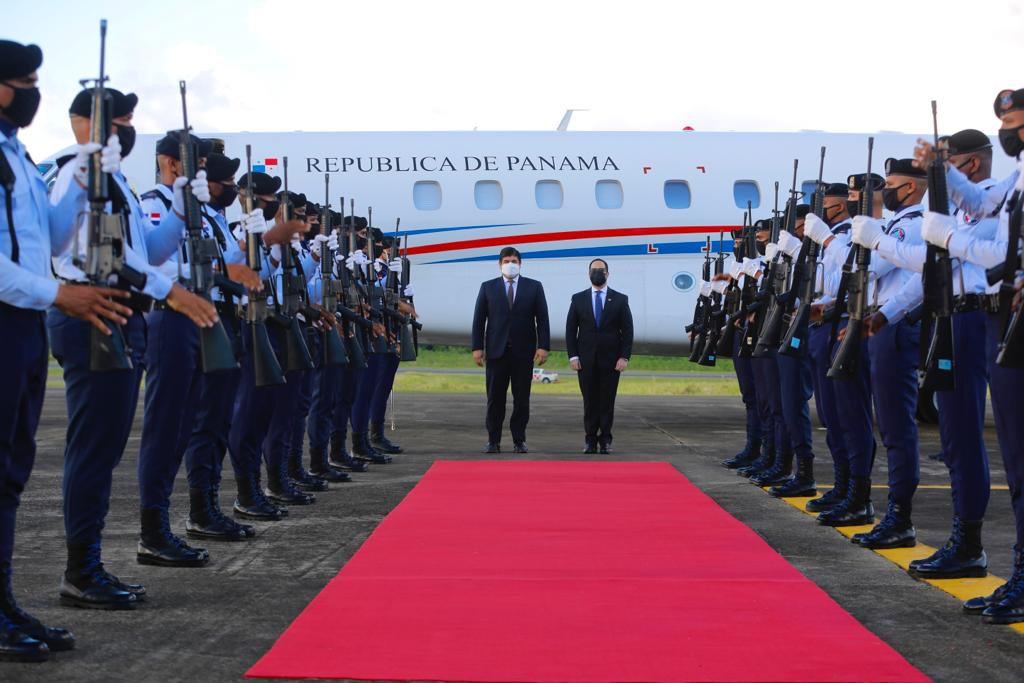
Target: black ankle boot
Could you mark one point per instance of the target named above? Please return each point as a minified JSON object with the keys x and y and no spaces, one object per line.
{"x":158,"y":546}
{"x":56,"y":639}
{"x":303,"y":479}
{"x":19,"y":647}
{"x":1009,"y":609}
{"x":763,"y":463}
{"x":206,"y":521}
{"x":856,"y":508}
{"x":281,"y":489}
{"x":896,"y":530}
{"x":86,"y":584}
{"x":362,"y":450}
{"x":800,"y":484}
{"x":750,"y":453}
{"x":341,"y":458}
{"x":961,"y":557}
{"x":319,"y":466}
{"x":776,"y":474}
{"x":252,"y":504}
{"x":382,"y":443}
{"x":835,"y":495}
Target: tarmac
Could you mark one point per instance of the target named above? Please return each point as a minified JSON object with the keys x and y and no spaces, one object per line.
{"x":212,"y":623}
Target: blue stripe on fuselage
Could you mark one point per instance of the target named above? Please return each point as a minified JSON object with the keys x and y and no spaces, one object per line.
{"x":614,"y":250}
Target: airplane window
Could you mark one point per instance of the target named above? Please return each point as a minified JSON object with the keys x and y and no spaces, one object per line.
{"x":549,"y":194}
{"x":744,"y":191}
{"x":487,"y":194}
{"x":807,"y":187}
{"x":609,"y":194}
{"x":677,"y":194}
{"x":426,"y":195}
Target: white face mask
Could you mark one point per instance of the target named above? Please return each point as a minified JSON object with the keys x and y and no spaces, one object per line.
{"x":510,"y":270}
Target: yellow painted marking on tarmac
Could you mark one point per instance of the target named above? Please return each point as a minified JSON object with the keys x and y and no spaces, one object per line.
{"x":933,"y":487}
{"x":961,"y":589}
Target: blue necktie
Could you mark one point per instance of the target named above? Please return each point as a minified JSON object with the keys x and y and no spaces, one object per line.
{"x":598,"y":308}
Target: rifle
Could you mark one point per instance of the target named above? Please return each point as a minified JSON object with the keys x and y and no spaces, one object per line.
{"x":716,"y":314}
{"x":352,"y":309}
{"x":804,"y":277}
{"x":780,"y":268}
{"x":699,"y":327}
{"x":1010,"y":350}
{"x":394,"y":297}
{"x":936,"y":367}
{"x":406,"y":277}
{"x":266,"y":368}
{"x":216,"y":351}
{"x":105,"y":251}
{"x":332,"y":345}
{"x":847,"y":361}
{"x":375,"y":292}
{"x":749,"y":293}
{"x":732,"y":305}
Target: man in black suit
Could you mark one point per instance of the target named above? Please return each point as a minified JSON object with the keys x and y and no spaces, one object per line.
{"x":599,"y":338}
{"x":510,"y":323}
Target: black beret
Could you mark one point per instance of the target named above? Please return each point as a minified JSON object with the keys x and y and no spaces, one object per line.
{"x":261,"y":183}
{"x":360,"y":222}
{"x":968,"y":141}
{"x":802,"y":210}
{"x":220,"y":168}
{"x":122,"y":104}
{"x":312,"y":208}
{"x":378,"y":236}
{"x":763,"y":224}
{"x":17,"y":60}
{"x":168,"y":145}
{"x":1008,"y":100}
{"x":837,"y":190}
{"x":857,"y":182}
{"x":336,"y":221}
{"x":299,"y":200}
{"x":904,"y":167}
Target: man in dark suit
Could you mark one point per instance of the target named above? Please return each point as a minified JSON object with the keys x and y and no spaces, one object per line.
{"x":599,"y":338}
{"x":510,"y":324}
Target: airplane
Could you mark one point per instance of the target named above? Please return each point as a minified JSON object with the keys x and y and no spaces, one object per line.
{"x":644,"y":201}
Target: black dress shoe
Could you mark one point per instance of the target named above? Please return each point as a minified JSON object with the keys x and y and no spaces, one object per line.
{"x":281,"y":488}
{"x":745,"y":457}
{"x":605,"y":449}
{"x":520,"y":447}
{"x":382,"y":443}
{"x":894,"y":531}
{"x":855,"y":510}
{"x":206,"y":521}
{"x":87,"y":584}
{"x":252,"y":504}
{"x":1009,"y":609}
{"x":962,"y":556}
{"x":57,"y":639}
{"x":18,"y":646}
{"x":590,"y":449}
{"x":136,"y":589}
{"x":341,"y":458}
{"x":303,"y":479}
{"x":362,"y":450}
{"x":159,"y":547}
{"x":492,"y":447}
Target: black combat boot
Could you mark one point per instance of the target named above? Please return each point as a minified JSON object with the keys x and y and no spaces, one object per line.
{"x":252,"y":504}
{"x":962,"y":556}
{"x":362,"y":450}
{"x":856,"y":508}
{"x":776,"y":474}
{"x":800,"y":484}
{"x":281,"y":489}
{"x":835,"y":495}
{"x":320,"y":467}
{"x":382,"y":443}
{"x":341,"y":458}
{"x":56,"y":639}
{"x":206,"y":521}
{"x":896,"y":530}
{"x":158,"y":546}
{"x":303,"y":479}
{"x":19,"y":647}
{"x":750,"y":453}
{"x":1009,"y":608}
{"x":763,"y":463}
{"x":86,"y":584}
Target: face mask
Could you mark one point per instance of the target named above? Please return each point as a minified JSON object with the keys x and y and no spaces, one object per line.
{"x":270,"y":210}
{"x":830,"y":218}
{"x":890,"y":197}
{"x":761,"y":246}
{"x":961,"y":167}
{"x":852,"y":207}
{"x":598,"y":277}
{"x":510,"y":270}
{"x":226,"y":198}
{"x":126,"y":134}
{"x":23,"y":107}
{"x":1009,"y":138}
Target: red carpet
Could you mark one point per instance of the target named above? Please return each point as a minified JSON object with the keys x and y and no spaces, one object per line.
{"x":572,"y":571}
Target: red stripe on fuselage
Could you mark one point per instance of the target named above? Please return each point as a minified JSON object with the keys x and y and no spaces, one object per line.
{"x":567,"y":235}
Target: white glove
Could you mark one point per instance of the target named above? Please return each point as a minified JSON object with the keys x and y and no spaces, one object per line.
{"x":735,"y":269}
{"x":790,"y":244}
{"x":751,"y":266}
{"x":275,"y":252}
{"x":239,"y":232}
{"x":200,"y":190}
{"x":770,"y":250}
{"x":352,"y":262}
{"x":253,"y":223}
{"x":866,"y":231}
{"x":332,"y":241}
{"x":81,"y":162}
{"x":360,"y":257}
{"x":377,"y":266}
{"x":705,"y":288}
{"x":937,"y":229}
{"x":297,"y":244}
{"x":395,"y":266}
{"x":817,"y":229}
{"x":407,"y":291}
{"x":317,"y":243}
{"x":110,"y":156}
{"x":719,"y":286}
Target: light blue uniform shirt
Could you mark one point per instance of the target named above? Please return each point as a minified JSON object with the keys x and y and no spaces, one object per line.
{"x":978,"y":200}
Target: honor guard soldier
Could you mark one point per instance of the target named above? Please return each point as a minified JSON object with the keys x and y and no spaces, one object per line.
{"x":101,"y":402}
{"x":386,"y":381}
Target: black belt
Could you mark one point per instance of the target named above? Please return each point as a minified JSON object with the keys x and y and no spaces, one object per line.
{"x":965,"y":303}
{"x":989,"y":303}
{"x":225,"y":309}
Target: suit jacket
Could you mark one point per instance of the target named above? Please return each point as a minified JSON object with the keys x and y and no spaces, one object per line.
{"x":519,"y":331}
{"x":599,"y":346}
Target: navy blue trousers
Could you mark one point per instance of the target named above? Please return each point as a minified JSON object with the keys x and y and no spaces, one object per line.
{"x":285,"y":408}
{"x":962,"y":418}
{"x":381,"y":393}
{"x":375,"y":364}
{"x":894,"y":357}
{"x":773,"y":430}
{"x":250,"y":419}
{"x":304,"y":403}
{"x":23,"y":373}
{"x":208,"y":442}
{"x":101,"y":409}
{"x":173,"y":382}
{"x":854,"y":412}
{"x":796,"y":388}
{"x":820,"y":356}
{"x":1005,"y":385}
{"x":748,"y":391}
{"x":326,"y":387}
{"x":349,"y":380}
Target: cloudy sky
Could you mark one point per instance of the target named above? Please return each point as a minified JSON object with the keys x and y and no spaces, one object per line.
{"x":459,"y":65}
